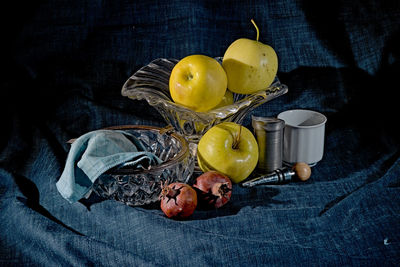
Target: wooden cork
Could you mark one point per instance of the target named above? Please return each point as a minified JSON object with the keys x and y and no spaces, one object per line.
{"x":302,"y":170}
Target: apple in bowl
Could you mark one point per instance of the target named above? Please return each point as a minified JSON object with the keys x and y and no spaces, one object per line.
{"x":228,"y":148}
{"x":250,"y":65}
{"x":198,"y":82}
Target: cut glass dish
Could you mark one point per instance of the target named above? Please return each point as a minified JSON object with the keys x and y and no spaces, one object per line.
{"x":136,"y":187}
{"x":151,"y":83}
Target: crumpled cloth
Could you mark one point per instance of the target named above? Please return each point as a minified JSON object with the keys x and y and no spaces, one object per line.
{"x":96,"y":152}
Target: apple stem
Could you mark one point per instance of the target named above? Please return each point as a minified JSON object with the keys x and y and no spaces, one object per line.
{"x":258,"y":32}
{"x":236,"y":140}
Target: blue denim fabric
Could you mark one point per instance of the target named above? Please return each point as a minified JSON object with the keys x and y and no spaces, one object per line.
{"x":66,"y":62}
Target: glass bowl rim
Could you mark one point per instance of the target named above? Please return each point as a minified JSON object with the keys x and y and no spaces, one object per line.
{"x":219,"y":112}
{"x":184,"y":151}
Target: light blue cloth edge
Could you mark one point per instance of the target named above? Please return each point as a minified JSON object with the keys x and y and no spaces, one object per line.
{"x":76,"y":191}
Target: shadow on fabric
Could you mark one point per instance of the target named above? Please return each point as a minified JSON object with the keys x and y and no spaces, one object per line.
{"x":32,"y":197}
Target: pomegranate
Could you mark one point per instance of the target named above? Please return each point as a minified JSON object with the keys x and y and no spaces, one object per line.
{"x":178,"y":200}
{"x":214,"y":189}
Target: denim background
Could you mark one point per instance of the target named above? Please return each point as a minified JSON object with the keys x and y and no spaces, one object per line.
{"x":64,"y":63}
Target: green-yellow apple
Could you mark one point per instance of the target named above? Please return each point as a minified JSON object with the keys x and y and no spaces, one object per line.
{"x":198,"y":82}
{"x":228,"y":148}
{"x":250,"y":65}
{"x":226,"y":100}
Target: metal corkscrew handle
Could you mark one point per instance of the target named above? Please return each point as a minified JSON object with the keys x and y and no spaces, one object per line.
{"x":300,"y":170}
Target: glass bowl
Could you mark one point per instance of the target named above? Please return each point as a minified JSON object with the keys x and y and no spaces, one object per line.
{"x":151,"y":83}
{"x":136,"y":187}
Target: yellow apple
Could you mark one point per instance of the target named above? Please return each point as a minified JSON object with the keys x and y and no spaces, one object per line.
{"x":228,"y":148}
{"x":226,"y":100}
{"x":198,"y":82}
{"x":250,"y":65}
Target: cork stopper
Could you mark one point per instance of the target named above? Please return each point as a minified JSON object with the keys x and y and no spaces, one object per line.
{"x":302,"y":171}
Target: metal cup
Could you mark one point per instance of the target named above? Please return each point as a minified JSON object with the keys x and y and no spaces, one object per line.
{"x":269,"y":135}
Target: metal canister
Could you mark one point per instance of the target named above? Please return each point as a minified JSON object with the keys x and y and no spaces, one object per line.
{"x":269,"y":135}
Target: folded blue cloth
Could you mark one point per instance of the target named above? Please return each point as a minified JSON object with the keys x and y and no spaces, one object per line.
{"x":96,"y":152}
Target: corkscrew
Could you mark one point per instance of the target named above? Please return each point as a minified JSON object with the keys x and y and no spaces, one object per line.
{"x":300,"y":171}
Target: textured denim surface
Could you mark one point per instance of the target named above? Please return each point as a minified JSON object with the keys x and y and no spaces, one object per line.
{"x":66,"y":63}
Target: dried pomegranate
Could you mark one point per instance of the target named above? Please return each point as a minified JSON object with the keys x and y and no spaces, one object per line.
{"x":178,"y":200}
{"x":214,"y":189}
